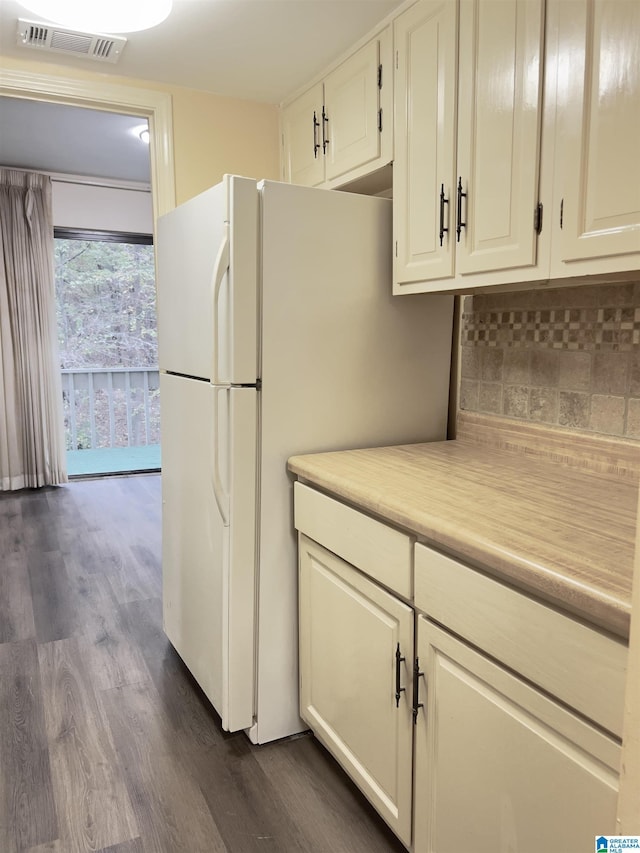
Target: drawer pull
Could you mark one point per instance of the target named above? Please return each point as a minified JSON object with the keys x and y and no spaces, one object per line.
{"x":399,"y":659}
{"x":416,"y":690}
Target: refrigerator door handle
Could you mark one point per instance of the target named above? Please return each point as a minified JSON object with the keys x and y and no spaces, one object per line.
{"x":221,"y":495}
{"x":221,"y":267}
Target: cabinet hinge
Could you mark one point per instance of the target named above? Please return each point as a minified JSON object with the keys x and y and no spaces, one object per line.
{"x":380,"y":119}
{"x":561,"y":211}
{"x":380,"y":76}
{"x":537,"y":218}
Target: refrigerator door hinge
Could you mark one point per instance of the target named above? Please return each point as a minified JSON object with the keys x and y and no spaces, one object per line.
{"x":537,"y":218}
{"x":380,"y":76}
{"x":380,"y":119}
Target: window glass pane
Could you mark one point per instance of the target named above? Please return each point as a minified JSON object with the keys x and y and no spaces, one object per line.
{"x":105,"y":297}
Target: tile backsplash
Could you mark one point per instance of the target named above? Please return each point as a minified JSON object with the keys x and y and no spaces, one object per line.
{"x":568,"y":356}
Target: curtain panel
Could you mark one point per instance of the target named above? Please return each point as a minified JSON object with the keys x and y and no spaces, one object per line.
{"x":32,"y":450}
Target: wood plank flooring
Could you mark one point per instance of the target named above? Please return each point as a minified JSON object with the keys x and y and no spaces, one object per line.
{"x":106,"y":742}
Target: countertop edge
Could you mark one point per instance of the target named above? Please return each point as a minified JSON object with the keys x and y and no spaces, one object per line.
{"x":591,"y":604}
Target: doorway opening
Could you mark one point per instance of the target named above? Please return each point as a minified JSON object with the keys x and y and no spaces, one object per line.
{"x":105,"y":301}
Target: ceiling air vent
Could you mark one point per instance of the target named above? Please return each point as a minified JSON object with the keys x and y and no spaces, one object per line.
{"x":56,"y":39}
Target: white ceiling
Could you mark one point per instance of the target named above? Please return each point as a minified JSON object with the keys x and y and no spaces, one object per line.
{"x":72,"y":141}
{"x":252,"y":49}
{"x":257,"y":49}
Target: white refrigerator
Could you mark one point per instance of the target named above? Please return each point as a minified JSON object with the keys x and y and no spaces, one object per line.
{"x":277,"y":335}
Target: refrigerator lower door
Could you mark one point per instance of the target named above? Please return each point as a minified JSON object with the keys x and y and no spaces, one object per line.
{"x":209,"y":538}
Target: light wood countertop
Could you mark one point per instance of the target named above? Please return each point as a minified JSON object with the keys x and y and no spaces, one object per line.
{"x":564,"y":534}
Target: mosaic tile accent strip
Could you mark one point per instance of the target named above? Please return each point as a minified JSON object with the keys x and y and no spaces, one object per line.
{"x":610,"y":328}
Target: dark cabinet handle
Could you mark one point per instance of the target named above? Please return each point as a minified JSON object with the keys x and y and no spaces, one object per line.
{"x":443,"y":201}
{"x":316,"y":144}
{"x":399,"y":690}
{"x":416,"y":690}
{"x":461,"y":195}
{"x":325,"y":131}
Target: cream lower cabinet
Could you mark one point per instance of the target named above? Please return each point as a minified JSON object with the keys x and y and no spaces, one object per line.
{"x":473,"y":717}
{"x":356,"y":647}
{"x":499,"y":765}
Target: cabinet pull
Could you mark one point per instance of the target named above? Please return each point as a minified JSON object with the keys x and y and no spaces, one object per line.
{"x":325,"y":136}
{"x":443,"y":201}
{"x":399,"y":659}
{"x":461,"y":195}
{"x":316,"y":144}
{"x":416,"y":690}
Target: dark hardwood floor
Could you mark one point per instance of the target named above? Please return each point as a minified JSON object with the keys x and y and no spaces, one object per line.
{"x":106,"y":742}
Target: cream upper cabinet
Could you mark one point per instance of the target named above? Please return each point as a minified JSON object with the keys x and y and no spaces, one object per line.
{"x":342,"y":128}
{"x":466,"y":175}
{"x":351,"y":96}
{"x":302,"y":131}
{"x":500,"y":765}
{"x":424,"y":169}
{"x":356,"y":648}
{"x":597,"y":176}
{"x":499,"y":131}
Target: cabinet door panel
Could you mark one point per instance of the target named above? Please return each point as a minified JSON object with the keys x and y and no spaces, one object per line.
{"x":351,"y":104}
{"x":425,"y":109}
{"x":303,"y":157}
{"x":598,"y":135}
{"x":499,"y":766}
{"x":499,"y":131}
{"x":349,"y":631}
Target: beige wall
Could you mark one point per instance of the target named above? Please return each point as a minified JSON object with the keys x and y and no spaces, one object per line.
{"x":212,"y":134}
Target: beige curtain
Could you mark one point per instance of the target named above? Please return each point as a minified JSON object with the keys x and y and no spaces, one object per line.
{"x":32,"y":450}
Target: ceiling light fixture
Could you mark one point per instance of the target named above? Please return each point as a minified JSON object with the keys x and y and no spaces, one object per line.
{"x":141,"y":131}
{"x":112,"y":16}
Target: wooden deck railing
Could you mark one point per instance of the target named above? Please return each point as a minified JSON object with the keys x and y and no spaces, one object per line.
{"x":111,"y":407}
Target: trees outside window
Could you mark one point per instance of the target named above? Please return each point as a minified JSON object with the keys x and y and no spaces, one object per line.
{"x":105,"y":296}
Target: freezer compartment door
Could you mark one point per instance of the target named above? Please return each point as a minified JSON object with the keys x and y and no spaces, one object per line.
{"x":207,"y":284}
{"x":209,"y":538}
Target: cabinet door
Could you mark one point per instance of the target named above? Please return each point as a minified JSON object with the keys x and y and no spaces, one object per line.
{"x":302,"y":132}
{"x":598,"y":134}
{"x":351,"y":98}
{"x":425,"y":123}
{"x":499,"y":132}
{"x":350,"y":629}
{"x":500,"y":766}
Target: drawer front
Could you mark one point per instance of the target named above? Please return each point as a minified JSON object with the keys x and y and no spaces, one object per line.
{"x":581,"y":666}
{"x":385,"y":554}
